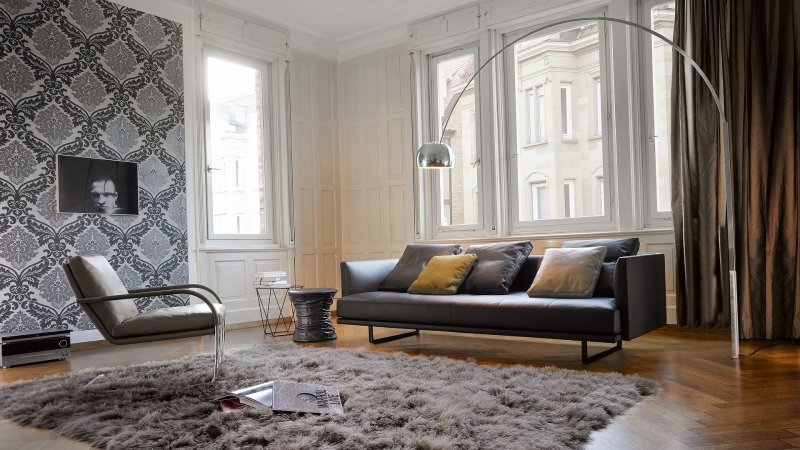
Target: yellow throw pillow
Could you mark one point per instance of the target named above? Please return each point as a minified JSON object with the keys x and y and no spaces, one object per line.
{"x":443,"y":275}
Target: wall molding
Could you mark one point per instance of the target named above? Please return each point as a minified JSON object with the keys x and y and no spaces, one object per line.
{"x":364,"y":43}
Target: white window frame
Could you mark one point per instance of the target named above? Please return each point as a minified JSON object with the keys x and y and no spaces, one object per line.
{"x":269,"y":157}
{"x":431,"y":180}
{"x":566,"y":111}
{"x":604,"y":222}
{"x":652,"y":217}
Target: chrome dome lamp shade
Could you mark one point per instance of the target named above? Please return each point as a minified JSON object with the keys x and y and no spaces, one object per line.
{"x":435,"y":156}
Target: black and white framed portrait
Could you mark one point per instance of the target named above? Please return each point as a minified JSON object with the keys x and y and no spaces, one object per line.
{"x":100,"y":186}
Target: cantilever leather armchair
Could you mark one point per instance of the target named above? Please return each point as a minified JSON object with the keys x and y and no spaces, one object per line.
{"x":109,"y":305}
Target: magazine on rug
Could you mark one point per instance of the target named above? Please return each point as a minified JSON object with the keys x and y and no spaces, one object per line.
{"x":284,"y":396}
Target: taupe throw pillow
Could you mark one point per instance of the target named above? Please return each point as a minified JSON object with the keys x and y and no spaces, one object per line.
{"x":568,"y":272}
{"x":498,"y":264}
{"x":414,"y":259}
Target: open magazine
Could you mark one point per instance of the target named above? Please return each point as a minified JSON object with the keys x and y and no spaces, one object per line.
{"x":284,"y":396}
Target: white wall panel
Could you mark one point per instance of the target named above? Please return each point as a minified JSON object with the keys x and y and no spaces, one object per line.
{"x":377,"y":220}
{"x":398,"y":151}
{"x":230,"y":274}
{"x":327,"y":218}
{"x":398,"y":211}
{"x":330,"y":267}
{"x":315,"y":132}
{"x":230,"y":279}
{"x":375,"y":230}
{"x":325,"y":155}
{"x":374,"y":151}
{"x":306,"y":220}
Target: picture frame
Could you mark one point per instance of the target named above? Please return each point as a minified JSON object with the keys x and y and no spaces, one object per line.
{"x":96,"y":186}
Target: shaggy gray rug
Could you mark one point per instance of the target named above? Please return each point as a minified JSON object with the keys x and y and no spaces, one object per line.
{"x":390,"y":400}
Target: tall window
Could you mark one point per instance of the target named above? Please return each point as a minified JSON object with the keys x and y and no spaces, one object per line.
{"x":540,"y":119}
{"x":569,"y":198}
{"x":531,"y":111}
{"x":459,"y":193}
{"x":537,"y":61}
{"x":540,"y":203}
{"x":236,"y":146}
{"x":662,"y":20}
{"x":566,"y":111}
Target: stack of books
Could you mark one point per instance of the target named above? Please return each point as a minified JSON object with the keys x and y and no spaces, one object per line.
{"x":270,"y":279}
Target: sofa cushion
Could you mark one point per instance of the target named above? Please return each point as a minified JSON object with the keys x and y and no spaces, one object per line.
{"x":615,"y":248}
{"x":443,"y":275}
{"x":605,"y":281}
{"x":414,"y":259}
{"x":515,"y":311}
{"x":388,"y":306}
{"x":171,"y":320}
{"x":497,"y":267}
{"x":95,"y":277}
{"x":568,"y":273}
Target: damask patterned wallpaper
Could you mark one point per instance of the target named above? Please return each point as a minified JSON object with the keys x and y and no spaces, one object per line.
{"x":87,"y":78}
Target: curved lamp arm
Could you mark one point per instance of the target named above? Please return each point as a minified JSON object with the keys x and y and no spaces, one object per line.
{"x":728,"y":233}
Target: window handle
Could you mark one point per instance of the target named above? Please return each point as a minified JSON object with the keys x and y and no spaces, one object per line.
{"x":652,"y":137}
{"x":209,"y":169}
{"x":476,"y":162}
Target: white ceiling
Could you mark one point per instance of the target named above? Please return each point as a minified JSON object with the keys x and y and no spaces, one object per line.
{"x":343,"y":19}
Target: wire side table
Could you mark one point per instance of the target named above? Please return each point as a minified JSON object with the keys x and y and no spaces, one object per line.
{"x":278,"y":295}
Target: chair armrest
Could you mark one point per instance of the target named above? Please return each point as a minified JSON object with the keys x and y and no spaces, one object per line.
{"x":179,"y":286}
{"x":155,"y":292}
{"x":640,"y":293}
{"x":364,"y":276}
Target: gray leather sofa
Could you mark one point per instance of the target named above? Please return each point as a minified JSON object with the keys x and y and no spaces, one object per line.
{"x":636,"y":306}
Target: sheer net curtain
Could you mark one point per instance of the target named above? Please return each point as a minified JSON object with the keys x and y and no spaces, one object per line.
{"x":751,"y":51}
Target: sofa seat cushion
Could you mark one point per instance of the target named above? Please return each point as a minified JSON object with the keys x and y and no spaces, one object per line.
{"x":170,"y":320}
{"x":515,"y":311}
{"x":397,"y":307}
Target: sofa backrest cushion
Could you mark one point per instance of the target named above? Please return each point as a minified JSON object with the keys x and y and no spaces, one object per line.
{"x":526,"y":273}
{"x":615,"y":248}
{"x":497,"y":267}
{"x":414,"y":259}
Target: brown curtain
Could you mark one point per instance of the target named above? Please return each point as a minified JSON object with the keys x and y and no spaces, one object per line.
{"x":751,"y":51}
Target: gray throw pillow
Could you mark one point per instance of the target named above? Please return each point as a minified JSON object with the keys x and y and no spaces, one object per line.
{"x":414,"y":259}
{"x":568,"y":272}
{"x":615,"y":248}
{"x":498,"y":264}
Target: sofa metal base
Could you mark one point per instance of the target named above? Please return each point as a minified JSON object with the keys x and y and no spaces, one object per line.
{"x":584,"y":338}
{"x":372,"y":339}
{"x":586,"y":359}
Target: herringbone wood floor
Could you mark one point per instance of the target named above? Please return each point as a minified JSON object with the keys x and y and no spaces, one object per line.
{"x":705,"y":400}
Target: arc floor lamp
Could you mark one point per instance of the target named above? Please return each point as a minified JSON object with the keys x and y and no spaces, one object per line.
{"x":438,"y":155}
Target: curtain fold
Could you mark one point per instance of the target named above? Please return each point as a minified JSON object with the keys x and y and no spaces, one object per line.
{"x":751,"y":50}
